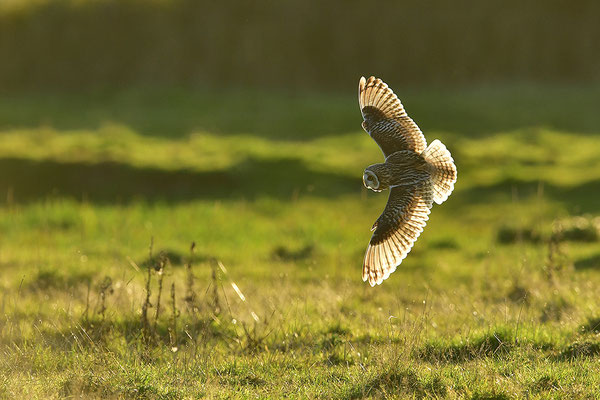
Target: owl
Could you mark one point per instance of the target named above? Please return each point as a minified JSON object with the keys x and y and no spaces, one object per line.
{"x":417,"y":175}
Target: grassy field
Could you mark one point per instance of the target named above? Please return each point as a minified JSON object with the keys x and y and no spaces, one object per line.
{"x":102,"y":195}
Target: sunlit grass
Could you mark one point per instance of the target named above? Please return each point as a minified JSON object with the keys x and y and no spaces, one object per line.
{"x":490,"y":303}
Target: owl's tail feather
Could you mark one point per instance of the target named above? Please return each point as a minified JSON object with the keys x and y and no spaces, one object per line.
{"x":443,"y":174}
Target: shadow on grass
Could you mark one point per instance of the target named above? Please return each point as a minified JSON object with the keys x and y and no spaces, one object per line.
{"x":578,"y":198}
{"x":398,"y":382}
{"x":284,"y":115}
{"x":579,"y":350}
{"x":26,"y":180}
{"x":176,"y":113}
{"x":283,"y":253}
{"x":51,"y":279}
{"x":237,"y":375}
{"x":544,"y":384}
{"x":591,"y":326}
{"x":174,"y":258}
{"x":495,"y":344}
{"x":490,"y":396}
{"x":113,"y":182}
{"x":91,"y":333}
{"x":591,"y":262}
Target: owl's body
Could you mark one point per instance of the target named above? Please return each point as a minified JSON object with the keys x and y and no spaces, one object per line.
{"x":416,"y":174}
{"x":403,"y":167}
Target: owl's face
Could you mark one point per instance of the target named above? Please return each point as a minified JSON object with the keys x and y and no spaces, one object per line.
{"x":375,"y":177}
{"x":371,"y":181}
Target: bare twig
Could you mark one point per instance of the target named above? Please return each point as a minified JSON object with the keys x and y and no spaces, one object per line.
{"x":161,"y":275}
{"x":147,"y":304}
{"x":215,"y":282}
{"x":173,"y":327}
{"x":87,"y":301}
{"x":104,"y":288}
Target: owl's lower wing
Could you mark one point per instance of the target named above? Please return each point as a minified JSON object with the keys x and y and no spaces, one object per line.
{"x":396,"y":230}
{"x":385,"y":119}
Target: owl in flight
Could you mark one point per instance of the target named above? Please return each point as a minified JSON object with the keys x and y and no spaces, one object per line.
{"x":416,"y":174}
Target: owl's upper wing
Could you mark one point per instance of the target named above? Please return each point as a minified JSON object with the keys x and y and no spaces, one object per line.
{"x":396,"y":230}
{"x":385,"y":119}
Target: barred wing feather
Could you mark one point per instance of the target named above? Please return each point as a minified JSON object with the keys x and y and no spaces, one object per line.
{"x":396,"y":230}
{"x":385,"y":119}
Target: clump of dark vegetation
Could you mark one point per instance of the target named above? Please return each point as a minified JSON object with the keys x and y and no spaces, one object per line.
{"x":494,"y":344}
{"x":336,"y":345}
{"x":255,"y":336}
{"x":578,"y":229}
{"x":46,"y":279}
{"x":334,"y":336}
{"x":545,"y":383}
{"x":62,"y":223}
{"x":399,"y":382}
{"x":555,"y":308}
{"x":509,"y":235}
{"x":574,"y":229}
{"x":591,"y":326}
{"x":236,"y":375}
{"x":588,"y":262}
{"x":519,"y":294}
{"x":444,"y":244}
{"x":285,"y":254}
{"x":580,"y":350}
{"x":490,"y":396}
{"x":338,"y":329}
{"x":175,"y":258}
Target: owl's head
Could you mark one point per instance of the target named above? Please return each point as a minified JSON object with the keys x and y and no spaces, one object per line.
{"x":375,"y":177}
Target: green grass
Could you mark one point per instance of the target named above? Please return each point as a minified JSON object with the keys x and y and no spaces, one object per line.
{"x":498,"y":299}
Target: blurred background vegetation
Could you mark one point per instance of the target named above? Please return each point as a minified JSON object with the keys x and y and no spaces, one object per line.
{"x":292,"y":44}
